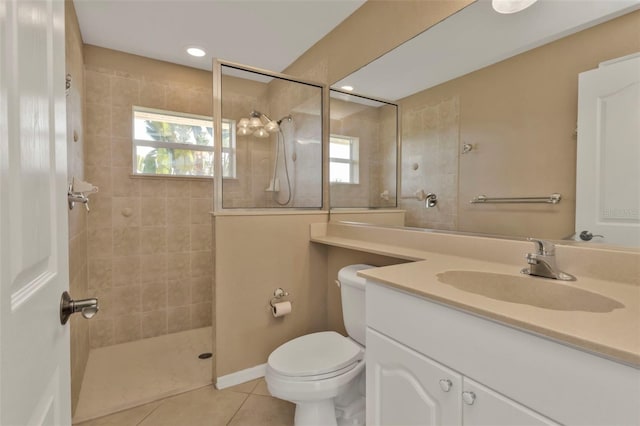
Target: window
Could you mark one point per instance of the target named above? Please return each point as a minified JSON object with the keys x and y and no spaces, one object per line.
{"x":343,"y":159}
{"x":177,"y":144}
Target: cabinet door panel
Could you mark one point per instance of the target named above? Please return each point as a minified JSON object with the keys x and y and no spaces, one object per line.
{"x":492,"y":409}
{"x":403,"y":386}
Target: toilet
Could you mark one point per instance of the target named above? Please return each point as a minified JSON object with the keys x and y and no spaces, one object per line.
{"x":323,"y":373}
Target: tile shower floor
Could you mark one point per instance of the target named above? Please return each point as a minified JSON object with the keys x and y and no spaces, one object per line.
{"x":130,"y":374}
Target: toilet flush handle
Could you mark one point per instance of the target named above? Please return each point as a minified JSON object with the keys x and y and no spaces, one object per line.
{"x":338,"y":283}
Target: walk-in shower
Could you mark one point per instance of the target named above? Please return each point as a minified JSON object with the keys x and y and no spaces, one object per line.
{"x":271,"y":141}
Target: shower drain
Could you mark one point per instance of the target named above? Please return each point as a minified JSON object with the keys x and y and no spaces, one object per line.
{"x":205,"y":355}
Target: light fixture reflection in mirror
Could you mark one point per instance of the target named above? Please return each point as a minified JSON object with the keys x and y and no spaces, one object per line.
{"x":259,"y":125}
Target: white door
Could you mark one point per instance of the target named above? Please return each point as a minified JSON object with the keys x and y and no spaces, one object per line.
{"x":608,"y":166}
{"x":34,"y":346}
{"x":406,"y":388}
{"x":484,"y":407}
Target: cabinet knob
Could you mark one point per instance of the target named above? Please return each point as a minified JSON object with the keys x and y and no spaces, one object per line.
{"x":468,"y":397}
{"x":445,"y":385}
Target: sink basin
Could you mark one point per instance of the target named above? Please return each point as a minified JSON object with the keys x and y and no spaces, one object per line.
{"x":529,"y":291}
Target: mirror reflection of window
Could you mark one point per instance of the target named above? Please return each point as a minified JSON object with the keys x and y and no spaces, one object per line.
{"x":343,"y":159}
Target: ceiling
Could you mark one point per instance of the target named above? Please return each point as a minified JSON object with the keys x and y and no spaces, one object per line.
{"x":268,"y":34}
{"x":474,"y":38}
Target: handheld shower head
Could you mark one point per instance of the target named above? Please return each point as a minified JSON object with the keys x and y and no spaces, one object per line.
{"x":286,"y":117}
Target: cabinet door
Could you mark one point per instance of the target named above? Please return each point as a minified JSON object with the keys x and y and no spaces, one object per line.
{"x":407,"y":388}
{"x":482,"y":406}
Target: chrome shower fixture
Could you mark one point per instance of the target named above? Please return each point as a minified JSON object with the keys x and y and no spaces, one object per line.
{"x":259,"y":125}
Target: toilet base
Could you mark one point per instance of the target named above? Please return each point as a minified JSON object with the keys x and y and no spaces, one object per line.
{"x":315,"y":413}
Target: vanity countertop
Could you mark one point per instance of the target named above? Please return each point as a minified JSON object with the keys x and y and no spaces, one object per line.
{"x":599,"y":312}
{"x":579,"y":318}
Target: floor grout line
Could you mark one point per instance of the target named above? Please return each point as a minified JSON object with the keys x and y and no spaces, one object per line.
{"x":239,"y":408}
{"x":151,"y":412}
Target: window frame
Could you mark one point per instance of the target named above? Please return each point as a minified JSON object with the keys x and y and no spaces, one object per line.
{"x":353,"y":161}
{"x":230,"y":150}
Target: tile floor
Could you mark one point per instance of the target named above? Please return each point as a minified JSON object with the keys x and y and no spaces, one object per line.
{"x":248,"y":404}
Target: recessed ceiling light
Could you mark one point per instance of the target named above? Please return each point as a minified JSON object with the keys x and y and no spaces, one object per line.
{"x":196,"y":51}
{"x":347,"y":88}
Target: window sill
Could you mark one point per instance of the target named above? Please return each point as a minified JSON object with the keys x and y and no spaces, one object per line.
{"x":177,"y":177}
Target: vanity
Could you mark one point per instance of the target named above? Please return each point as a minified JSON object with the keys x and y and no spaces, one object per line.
{"x":460,"y":337}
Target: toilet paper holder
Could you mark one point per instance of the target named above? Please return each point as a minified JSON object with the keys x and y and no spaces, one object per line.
{"x":278,"y":294}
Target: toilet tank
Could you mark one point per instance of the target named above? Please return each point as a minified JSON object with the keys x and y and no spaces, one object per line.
{"x":353,"y":301}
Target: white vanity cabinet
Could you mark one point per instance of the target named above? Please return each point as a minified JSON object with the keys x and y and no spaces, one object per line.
{"x":405,"y":387}
{"x":430,"y":364}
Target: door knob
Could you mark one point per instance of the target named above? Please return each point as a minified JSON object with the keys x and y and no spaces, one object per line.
{"x":588,"y":236}
{"x":87,"y":307}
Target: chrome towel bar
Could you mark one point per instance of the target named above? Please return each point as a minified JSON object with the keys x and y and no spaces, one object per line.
{"x":551,"y":199}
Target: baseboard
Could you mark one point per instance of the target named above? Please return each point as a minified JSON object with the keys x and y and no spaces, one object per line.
{"x":241,"y":376}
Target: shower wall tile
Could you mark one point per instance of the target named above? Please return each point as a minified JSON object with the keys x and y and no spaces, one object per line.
{"x":144,"y":237}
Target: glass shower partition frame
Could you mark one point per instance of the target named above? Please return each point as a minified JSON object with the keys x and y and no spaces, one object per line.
{"x":218,"y":111}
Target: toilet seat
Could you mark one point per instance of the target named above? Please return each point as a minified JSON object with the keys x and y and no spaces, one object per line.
{"x":316,"y":356}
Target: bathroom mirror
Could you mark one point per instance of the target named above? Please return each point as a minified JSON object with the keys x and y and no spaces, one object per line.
{"x":363,"y":147}
{"x":489,"y":106}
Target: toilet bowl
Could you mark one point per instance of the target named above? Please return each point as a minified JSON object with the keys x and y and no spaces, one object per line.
{"x":323,"y":373}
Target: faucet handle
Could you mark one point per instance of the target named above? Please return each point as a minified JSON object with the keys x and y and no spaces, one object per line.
{"x":543,"y":247}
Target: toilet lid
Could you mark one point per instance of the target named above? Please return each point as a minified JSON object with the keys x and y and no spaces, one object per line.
{"x":315,"y":354}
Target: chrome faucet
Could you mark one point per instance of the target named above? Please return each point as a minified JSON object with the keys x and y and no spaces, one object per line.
{"x":542,"y":263}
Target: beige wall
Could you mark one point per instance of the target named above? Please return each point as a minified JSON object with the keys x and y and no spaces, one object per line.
{"x":254,"y":255}
{"x":149,"y":239}
{"x":77,"y":216}
{"x":520,"y":115}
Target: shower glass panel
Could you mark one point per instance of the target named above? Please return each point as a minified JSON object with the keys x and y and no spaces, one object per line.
{"x":272,"y":151}
{"x":363,"y":151}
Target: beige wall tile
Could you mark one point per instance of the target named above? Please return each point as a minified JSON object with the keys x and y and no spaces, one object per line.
{"x":178,"y":238}
{"x":126,"y":241}
{"x":178,"y":188}
{"x":100,"y":214}
{"x":153,"y":240}
{"x":121,"y":153}
{"x":153,"y":268}
{"x":201,"y":264}
{"x":126,"y":271}
{"x":97,"y":151}
{"x":154,"y":296}
{"x":123,"y":185}
{"x":201,"y":315}
{"x":179,"y":266}
{"x":201,"y":210}
{"x":201,"y":289}
{"x":125,"y":212}
{"x":122,"y":121}
{"x":128,"y":328}
{"x":202,"y":188}
{"x":152,"y":95}
{"x":178,"y":211}
{"x":154,"y":323}
{"x":99,"y":243}
{"x":97,"y":87}
{"x":201,"y":237}
{"x":154,"y":212}
{"x":126,"y":300}
{"x":98,"y":120}
{"x":100,"y":177}
{"x":179,"y":292}
{"x":153,"y":188}
{"x":100,"y":273}
{"x":178,"y":319}
{"x":124,"y":91}
{"x":101,"y":332}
